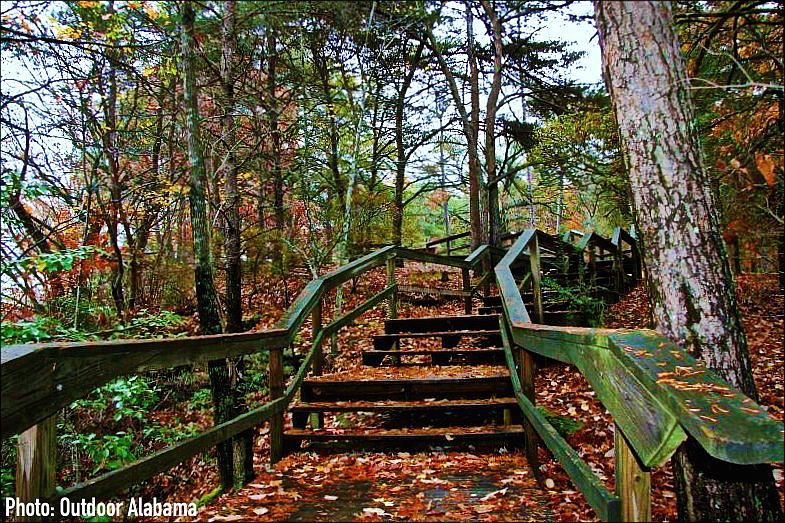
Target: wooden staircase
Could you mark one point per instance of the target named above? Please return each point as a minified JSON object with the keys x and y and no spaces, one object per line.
{"x":437,"y":381}
{"x":555,"y":312}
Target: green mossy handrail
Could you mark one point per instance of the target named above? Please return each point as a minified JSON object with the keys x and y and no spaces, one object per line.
{"x":728,"y":425}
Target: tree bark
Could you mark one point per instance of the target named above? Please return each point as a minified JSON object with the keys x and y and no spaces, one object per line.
{"x":242,"y":443}
{"x":470,"y":122}
{"x":475,"y":221}
{"x":400,"y":147}
{"x":206,"y":296}
{"x":494,"y":216}
{"x":690,"y":282}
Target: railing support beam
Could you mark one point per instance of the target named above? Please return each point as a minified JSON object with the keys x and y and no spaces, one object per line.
{"x":534,"y":259}
{"x":317,"y":418}
{"x":467,"y":286}
{"x":276,"y":391}
{"x":526,"y":372}
{"x":633,"y":481}
{"x":36,"y":462}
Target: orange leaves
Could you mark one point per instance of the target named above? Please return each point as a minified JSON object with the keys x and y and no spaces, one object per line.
{"x":766,"y":166}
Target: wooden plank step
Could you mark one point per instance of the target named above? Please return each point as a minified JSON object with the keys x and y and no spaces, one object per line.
{"x":406,"y":389}
{"x":453,"y":405}
{"x":433,"y":291}
{"x":449,"y":338}
{"x":441,"y":324}
{"x":408,"y":438}
{"x":437,"y":357}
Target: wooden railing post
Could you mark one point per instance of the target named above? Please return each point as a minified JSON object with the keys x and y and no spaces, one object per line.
{"x":467,"y":286}
{"x":633,"y":481}
{"x":618,"y":266}
{"x":534,"y":259}
{"x":276,"y":391}
{"x":36,"y":461}
{"x":392,"y":308}
{"x":526,"y":371}
{"x":317,"y":418}
{"x":392,"y":304}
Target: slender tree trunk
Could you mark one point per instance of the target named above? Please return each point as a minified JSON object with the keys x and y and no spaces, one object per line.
{"x":232,"y":247}
{"x":206,"y":296}
{"x":475,"y":220}
{"x":690,"y":282}
{"x":242,"y":444}
{"x":400,"y":147}
{"x":275,"y":132}
{"x":494,"y":216}
{"x":470,"y":123}
{"x":113,"y":209}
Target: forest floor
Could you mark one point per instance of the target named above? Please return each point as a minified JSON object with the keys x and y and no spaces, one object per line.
{"x":442,"y":485}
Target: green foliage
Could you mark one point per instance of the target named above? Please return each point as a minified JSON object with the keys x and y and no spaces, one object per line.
{"x":170,"y":435}
{"x":62,"y":260}
{"x":107,"y":452}
{"x":150,"y":324}
{"x":582,"y":297}
{"x":39,"y":329}
{"x":564,"y":425}
{"x":202,"y":400}
{"x":7,"y":465}
{"x":130,"y":398}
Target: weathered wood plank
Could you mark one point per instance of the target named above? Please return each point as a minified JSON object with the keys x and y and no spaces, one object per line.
{"x":727,"y":424}
{"x":355,"y":313}
{"x":295,"y":315}
{"x":651,"y":428}
{"x":409,"y":254}
{"x":445,"y":239}
{"x":36,"y":463}
{"x":38,"y":380}
{"x":467,"y":288}
{"x":359,"y":266}
{"x":633,"y":481}
{"x":534,"y":259}
{"x":275,"y":379}
{"x":434,"y":291}
{"x":601,"y":500}
{"x":511,"y":298}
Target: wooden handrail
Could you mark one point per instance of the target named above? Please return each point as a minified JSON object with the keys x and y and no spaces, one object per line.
{"x":456,"y":236}
{"x":37,"y":380}
{"x":656,"y":392}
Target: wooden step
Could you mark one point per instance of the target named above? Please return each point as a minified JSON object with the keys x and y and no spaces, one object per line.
{"x":398,"y":407}
{"x":437,"y":357}
{"x":493,"y":309}
{"x":441,"y":324}
{"x":405,"y":389}
{"x":492,"y":301}
{"x":508,"y":435}
{"x":449,"y":338}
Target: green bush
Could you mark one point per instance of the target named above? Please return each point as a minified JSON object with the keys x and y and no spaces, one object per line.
{"x":39,"y":329}
{"x":129,"y":398}
{"x":107,"y":452}
{"x":202,"y":400}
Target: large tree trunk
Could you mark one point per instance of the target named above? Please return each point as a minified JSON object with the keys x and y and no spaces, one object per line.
{"x":206,"y":296}
{"x":690,"y":282}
